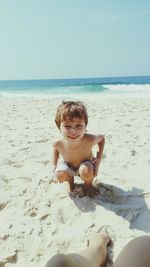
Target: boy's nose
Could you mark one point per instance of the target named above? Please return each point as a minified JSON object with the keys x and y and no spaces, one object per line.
{"x":73,"y":129}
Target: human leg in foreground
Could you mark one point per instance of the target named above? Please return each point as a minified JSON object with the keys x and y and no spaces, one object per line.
{"x":92,"y":256}
{"x":135,"y":254}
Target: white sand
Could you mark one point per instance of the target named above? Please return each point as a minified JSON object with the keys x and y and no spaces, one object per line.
{"x":37,"y":217}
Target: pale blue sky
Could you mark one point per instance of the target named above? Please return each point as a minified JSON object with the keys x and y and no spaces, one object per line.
{"x":42,"y":39}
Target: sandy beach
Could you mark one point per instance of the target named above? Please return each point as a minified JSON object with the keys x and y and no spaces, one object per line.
{"x":37,"y":216}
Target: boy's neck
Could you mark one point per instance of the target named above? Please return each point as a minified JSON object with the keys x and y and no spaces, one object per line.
{"x":73,"y":144}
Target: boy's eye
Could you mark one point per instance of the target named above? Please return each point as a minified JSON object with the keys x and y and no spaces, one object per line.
{"x":79,"y":126}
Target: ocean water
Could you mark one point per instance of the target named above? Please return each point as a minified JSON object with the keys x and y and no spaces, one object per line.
{"x":56,"y":87}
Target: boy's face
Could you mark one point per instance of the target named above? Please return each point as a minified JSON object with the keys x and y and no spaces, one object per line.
{"x":73,"y":130}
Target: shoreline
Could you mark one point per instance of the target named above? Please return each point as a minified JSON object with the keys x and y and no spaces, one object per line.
{"x":76,"y":96}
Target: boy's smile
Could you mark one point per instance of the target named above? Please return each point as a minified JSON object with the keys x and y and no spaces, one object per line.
{"x":73,"y":130}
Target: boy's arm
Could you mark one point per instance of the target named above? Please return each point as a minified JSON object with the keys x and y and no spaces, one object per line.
{"x":55,"y":157}
{"x":100,"y":141}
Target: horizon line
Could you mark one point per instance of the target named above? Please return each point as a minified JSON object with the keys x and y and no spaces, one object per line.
{"x":75,"y":78}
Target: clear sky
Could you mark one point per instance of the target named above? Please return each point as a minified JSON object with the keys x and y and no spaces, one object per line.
{"x":45,"y":39}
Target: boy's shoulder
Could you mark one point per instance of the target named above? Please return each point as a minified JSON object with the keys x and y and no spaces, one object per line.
{"x":94,"y":137}
{"x":57,"y":143}
{"x":89,"y":136}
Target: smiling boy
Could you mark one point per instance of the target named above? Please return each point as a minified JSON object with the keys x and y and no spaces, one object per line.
{"x":75,"y":147}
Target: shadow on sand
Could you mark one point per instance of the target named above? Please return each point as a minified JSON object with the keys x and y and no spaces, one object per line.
{"x":130,"y":205}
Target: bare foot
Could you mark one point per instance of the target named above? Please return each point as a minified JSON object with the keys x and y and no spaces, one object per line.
{"x":79,"y":190}
{"x":101,"y":237}
{"x":107,"y":230}
{"x":91,"y":191}
{"x":70,"y":185}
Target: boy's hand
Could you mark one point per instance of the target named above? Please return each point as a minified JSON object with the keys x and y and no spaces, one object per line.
{"x":96,"y":163}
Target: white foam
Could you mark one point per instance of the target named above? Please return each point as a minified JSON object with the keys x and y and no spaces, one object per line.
{"x":129,"y":88}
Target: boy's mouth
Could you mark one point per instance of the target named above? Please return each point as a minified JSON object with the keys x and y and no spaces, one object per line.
{"x":73,"y":137}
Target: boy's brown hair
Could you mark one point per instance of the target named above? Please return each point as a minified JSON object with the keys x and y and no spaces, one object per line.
{"x":70,"y":110}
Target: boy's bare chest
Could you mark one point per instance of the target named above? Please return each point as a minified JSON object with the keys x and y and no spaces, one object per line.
{"x":75,"y":155}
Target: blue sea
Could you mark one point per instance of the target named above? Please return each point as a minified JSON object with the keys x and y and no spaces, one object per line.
{"x":56,"y":87}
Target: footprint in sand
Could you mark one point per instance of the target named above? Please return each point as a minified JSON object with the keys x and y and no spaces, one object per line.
{"x":3,"y":205}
